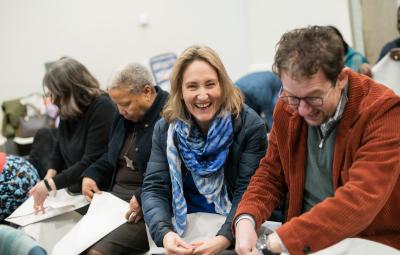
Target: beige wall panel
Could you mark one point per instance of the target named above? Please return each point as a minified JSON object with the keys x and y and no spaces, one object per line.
{"x":379,"y":25}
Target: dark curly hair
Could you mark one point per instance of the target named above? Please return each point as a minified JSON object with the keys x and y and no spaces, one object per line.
{"x":302,"y":52}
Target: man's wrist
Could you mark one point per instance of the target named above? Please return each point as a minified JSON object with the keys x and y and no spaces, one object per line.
{"x":275,"y":243}
{"x":245,"y":216}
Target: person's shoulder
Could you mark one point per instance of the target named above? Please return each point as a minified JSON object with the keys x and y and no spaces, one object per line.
{"x":382,"y":93}
{"x":162,"y":92}
{"x":355,"y":54}
{"x":380,"y":101}
{"x":101,"y":107}
{"x":374,"y":95}
{"x":161,"y":99}
{"x":161,"y":126}
{"x":248,"y":112}
{"x":103,"y":103}
{"x":160,"y":132}
{"x":390,"y":45}
{"x":249,"y":125}
{"x":259,"y":78}
{"x":249,"y":117}
{"x":394,"y":43}
{"x":103,"y":99}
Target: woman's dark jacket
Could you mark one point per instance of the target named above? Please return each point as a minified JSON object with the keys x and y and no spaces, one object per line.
{"x":80,"y":142}
{"x":248,"y":147}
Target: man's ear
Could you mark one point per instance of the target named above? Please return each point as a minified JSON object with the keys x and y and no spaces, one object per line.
{"x":147,"y":91}
{"x":343,"y":77}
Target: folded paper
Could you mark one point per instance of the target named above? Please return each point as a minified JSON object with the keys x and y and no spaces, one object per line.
{"x":106,"y":213}
{"x":61,"y":203}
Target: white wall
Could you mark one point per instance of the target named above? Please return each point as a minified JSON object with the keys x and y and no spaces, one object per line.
{"x":268,"y":20}
{"x":103,"y":34}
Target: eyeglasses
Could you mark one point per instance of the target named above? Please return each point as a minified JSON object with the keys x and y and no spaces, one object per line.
{"x":295,"y":101}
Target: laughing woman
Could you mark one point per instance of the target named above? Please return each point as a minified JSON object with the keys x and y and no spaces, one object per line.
{"x":205,"y":149}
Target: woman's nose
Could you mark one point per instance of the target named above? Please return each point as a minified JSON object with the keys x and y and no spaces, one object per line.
{"x":202,"y":94}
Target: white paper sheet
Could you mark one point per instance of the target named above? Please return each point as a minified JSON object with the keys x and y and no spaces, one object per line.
{"x":357,"y":246}
{"x":60,"y":204}
{"x":201,"y":227}
{"x":387,"y":72}
{"x":106,"y":213}
{"x":48,"y":232}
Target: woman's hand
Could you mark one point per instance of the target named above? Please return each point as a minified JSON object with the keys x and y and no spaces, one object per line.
{"x":40,"y":193}
{"x":134,"y":214}
{"x":89,"y":188}
{"x":173,"y":244}
{"x":50,"y":174}
{"x":211,"y":247}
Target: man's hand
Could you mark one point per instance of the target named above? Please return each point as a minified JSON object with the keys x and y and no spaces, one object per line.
{"x":89,"y":187}
{"x":275,"y":243}
{"x":134,"y":214}
{"x":246,"y":238}
{"x":366,"y":69}
{"x":211,"y":247}
{"x":173,"y":244}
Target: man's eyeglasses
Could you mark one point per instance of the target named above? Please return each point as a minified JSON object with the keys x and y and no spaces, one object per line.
{"x":295,"y":101}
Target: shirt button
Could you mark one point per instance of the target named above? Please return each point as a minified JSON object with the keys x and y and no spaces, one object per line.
{"x":306,"y":249}
{"x":136,"y":149}
{"x":146,"y":125}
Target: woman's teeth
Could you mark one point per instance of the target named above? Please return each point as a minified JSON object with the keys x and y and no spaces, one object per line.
{"x":203,"y":106}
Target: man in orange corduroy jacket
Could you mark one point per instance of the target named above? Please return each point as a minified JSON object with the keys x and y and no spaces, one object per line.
{"x":333,"y":155}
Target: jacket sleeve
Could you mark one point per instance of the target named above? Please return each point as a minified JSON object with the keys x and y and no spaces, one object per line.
{"x":372,"y":178}
{"x":253,"y":147}
{"x":156,"y":189}
{"x":102,"y":170}
{"x":95,"y":145}
{"x":56,"y":161}
{"x":267,"y":184}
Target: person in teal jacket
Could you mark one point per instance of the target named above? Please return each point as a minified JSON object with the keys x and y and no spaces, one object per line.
{"x":352,"y":58}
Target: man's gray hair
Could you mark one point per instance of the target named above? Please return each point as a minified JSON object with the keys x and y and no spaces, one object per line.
{"x":134,"y":75}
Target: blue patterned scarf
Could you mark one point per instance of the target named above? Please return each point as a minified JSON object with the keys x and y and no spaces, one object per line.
{"x":204,"y":157}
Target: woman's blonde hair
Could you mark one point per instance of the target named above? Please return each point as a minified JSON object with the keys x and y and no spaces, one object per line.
{"x":71,"y":86}
{"x":232,"y":99}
